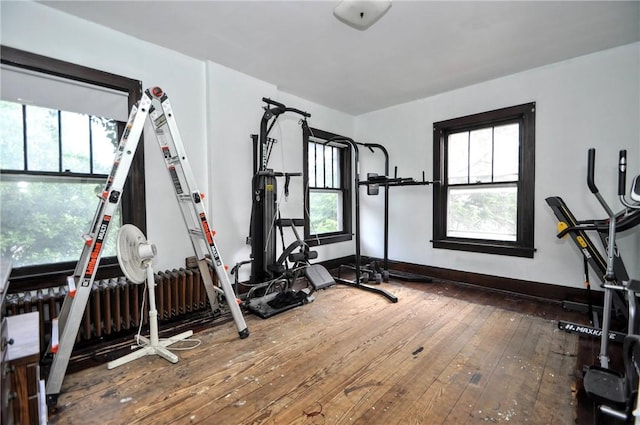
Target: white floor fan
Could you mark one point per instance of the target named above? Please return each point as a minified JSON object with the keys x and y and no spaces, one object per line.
{"x":135,"y":255}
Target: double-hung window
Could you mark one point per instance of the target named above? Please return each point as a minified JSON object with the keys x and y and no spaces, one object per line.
{"x":485,"y":165}
{"x":54,"y":165}
{"x":55,"y":157}
{"x":327,"y":173}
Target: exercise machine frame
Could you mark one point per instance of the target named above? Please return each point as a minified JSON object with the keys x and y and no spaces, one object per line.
{"x":271,"y":280}
{"x":616,"y":394}
{"x":373,"y":183}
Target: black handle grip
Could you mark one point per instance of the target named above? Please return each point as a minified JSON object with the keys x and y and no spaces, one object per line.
{"x":591,"y":162}
{"x":622,"y":173}
{"x":284,"y":108}
{"x":298,"y":111}
{"x":272,"y":102}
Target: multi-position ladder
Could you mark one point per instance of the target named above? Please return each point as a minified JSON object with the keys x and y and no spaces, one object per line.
{"x":65,"y":328}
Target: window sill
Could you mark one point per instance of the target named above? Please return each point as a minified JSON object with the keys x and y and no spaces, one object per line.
{"x":485,"y":247}
{"x":31,"y":278}
{"x":328,"y":239}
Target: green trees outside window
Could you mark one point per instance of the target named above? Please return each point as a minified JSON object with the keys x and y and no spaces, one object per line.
{"x":54,"y":164}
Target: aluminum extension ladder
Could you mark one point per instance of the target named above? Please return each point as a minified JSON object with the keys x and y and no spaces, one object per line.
{"x":65,"y":327}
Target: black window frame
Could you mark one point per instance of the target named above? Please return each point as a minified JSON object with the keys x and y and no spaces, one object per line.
{"x":133,"y":201}
{"x":523,"y":246}
{"x":346,"y":188}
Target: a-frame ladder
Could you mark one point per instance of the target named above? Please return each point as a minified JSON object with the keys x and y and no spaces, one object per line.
{"x":155,"y":106}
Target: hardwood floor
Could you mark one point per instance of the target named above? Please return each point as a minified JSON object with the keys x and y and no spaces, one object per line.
{"x":443,"y":354}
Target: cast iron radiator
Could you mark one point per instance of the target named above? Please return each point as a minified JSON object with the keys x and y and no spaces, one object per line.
{"x":114,"y":308}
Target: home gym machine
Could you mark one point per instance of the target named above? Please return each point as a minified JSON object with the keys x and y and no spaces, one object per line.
{"x":373,"y":184}
{"x":612,"y":271}
{"x":272,"y":278}
{"x":615,"y":394}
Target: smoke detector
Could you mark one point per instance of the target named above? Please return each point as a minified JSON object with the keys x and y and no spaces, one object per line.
{"x":361,"y":14}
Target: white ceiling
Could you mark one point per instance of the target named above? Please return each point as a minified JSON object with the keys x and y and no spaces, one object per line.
{"x":418,"y":49}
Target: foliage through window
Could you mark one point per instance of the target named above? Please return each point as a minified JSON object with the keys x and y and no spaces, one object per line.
{"x":54,"y":164}
{"x":485,"y":164}
{"x":327,"y":192}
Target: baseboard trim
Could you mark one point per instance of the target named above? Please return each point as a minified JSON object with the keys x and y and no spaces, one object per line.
{"x":544,"y":291}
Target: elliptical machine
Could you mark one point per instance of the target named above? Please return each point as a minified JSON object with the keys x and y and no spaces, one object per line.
{"x":615,"y":394}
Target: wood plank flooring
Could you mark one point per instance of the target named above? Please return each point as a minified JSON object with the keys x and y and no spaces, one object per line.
{"x":441,"y":355}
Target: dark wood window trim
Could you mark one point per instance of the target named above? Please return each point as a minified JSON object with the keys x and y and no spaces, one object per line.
{"x":133,"y":202}
{"x":524,"y":245}
{"x":346,"y":173}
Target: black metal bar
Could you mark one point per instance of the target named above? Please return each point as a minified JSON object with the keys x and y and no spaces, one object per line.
{"x":254,"y":138}
{"x":281,"y":108}
{"x":354,"y":146}
{"x":622,"y":173}
{"x":385,"y":260}
{"x":358,"y":285}
{"x":60,"y":141}
{"x":90,"y":146}
{"x":24,"y":138}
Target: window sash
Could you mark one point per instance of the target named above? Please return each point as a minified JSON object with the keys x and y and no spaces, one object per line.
{"x":55,"y":210}
{"x":484,"y":154}
{"x":324,"y":166}
{"x":483,"y":212}
{"x":73,"y":142}
{"x":460,"y":178}
{"x":326,"y":222}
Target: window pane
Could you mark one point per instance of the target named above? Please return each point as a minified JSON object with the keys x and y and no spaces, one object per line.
{"x":506,"y":152}
{"x":328,"y":167}
{"x":324,"y":166}
{"x":458,"y":158}
{"x":75,"y":142}
{"x":480,"y":155}
{"x":53,"y":217}
{"x":482,"y":212}
{"x":337,"y":182}
{"x":319,"y":166}
{"x":104,"y":133}
{"x":312,"y":164}
{"x":325,"y":211}
{"x":42,"y":139}
{"x":11,"y":136}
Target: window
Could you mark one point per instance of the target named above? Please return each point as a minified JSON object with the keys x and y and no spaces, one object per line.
{"x":485,"y":163}
{"x":54,"y":162}
{"x":54,"y":165}
{"x":327,"y":171}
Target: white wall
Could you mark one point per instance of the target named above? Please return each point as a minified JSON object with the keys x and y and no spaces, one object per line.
{"x":216,"y":109}
{"x":235,"y":102}
{"x":590,"y":101}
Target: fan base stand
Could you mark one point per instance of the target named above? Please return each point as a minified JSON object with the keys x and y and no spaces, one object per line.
{"x":152,"y":345}
{"x":149,"y":350}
